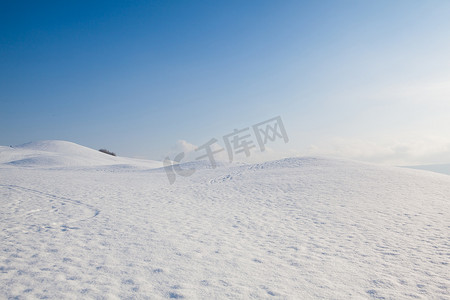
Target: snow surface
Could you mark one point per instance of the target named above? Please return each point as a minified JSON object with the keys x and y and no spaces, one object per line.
{"x":79,"y":224}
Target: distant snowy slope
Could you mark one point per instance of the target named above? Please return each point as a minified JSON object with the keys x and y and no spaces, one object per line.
{"x":62,"y":147}
{"x":54,"y":153}
{"x":442,"y":168}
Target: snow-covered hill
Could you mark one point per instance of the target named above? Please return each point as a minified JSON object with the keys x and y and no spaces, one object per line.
{"x":58,"y":154}
{"x":299,"y":228}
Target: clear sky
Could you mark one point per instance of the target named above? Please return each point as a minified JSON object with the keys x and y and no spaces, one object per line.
{"x":367,"y":80}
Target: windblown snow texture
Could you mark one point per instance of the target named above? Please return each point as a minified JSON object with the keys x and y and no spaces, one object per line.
{"x":76,"y":223}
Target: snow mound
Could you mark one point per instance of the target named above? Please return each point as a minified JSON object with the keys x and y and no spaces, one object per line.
{"x":58,"y":154}
{"x":62,"y":147}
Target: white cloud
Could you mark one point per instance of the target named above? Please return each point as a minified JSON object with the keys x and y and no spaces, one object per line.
{"x":399,"y":151}
{"x":426,"y":91}
{"x":185,"y":147}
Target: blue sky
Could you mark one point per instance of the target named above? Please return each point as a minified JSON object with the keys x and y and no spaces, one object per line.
{"x":367,"y":80}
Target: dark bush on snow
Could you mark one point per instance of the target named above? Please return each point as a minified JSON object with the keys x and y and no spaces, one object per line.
{"x":107,"y":152}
